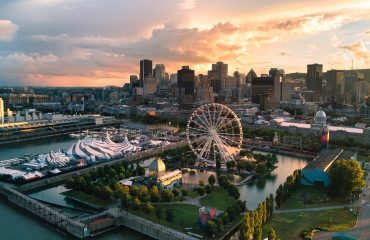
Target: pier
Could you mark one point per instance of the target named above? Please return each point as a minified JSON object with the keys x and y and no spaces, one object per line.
{"x":73,"y":227}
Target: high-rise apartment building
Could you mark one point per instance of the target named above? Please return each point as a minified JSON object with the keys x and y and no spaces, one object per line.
{"x":314,"y":77}
{"x":146,"y":69}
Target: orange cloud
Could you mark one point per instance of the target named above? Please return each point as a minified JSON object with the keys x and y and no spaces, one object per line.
{"x":359,"y":50}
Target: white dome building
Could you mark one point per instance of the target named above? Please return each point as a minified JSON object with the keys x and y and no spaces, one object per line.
{"x":320,"y":118}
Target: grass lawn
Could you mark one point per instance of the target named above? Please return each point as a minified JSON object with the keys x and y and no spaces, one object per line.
{"x":186,"y":215}
{"x":317,"y":195}
{"x":193,"y":194}
{"x":290,"y":225}
{"x":90,"y":199}
{"x":218,"y":198}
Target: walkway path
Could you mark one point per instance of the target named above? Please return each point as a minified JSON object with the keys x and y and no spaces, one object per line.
{"x":309,"y":209}
{"x":362,"y":228}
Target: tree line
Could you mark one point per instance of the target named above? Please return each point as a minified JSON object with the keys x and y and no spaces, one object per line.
{"x":290,"y":185}
{"x":251,"y":225}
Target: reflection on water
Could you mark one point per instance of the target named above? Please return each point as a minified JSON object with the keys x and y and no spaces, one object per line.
{"x":189,"y":179}
{"x":258,"y":190}
{"x":14,"y":150}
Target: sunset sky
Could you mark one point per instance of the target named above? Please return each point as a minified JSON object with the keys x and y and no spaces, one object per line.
{"x":100,"y":42}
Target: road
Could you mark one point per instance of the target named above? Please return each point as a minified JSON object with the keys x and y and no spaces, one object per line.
{"x":362,"y":228}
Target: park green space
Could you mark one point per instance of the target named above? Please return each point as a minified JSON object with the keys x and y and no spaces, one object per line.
{"x":185,"y":216}
{"x":218,"y":198}
{"x":317,"y":197}
{"x":290,"y":225}
{"x":89,"y":199}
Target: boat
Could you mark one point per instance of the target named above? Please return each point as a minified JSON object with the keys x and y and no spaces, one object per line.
{"x":75,"y":135}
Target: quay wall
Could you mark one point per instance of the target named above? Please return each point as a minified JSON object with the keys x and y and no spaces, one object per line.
{"x":75,"y":228}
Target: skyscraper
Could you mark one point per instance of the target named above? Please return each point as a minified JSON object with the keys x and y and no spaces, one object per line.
{"x":217,"y":76}
{"x":159,"y":74}
{"x":279,"y":77}
{"x":185,"y":86}
{"x":335,"y":85}
{"x":1,"y":111}
{"x":146,"y":68}
{"x":314,"y":78}
{"x":263,"y":91}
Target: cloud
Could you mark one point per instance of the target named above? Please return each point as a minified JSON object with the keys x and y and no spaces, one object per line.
{"x":359,"y":50}
{"x":108,"y":55}
{"x":187,"y":4}
{"x":7,"y":30}
{"x":367,"y":33}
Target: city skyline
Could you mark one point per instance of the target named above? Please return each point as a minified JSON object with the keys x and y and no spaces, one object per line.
{"x":90,"y":43}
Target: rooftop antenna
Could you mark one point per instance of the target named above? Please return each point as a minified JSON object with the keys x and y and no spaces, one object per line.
{"x":352,"y":64}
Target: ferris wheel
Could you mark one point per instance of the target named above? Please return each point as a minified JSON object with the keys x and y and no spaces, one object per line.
{"x":214,"y":133}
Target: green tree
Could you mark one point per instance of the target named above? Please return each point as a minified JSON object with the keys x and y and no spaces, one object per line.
{"x":223,"y":181}
{"x":176,"y":192}
{"x":231,"y":213}
{"x":233,"y":191}
{"x":257,"y":234}
{"x":167,"y":196}
{"x":210,"y":228}
{"x":136,"y":203}
{"x":140,"y":170}
{"x":184,"y":192}
{"x":261,"y":168}
{"x":158,"y":212}
{"x":201,"y":191}
{"x":212,"y":180}
{"x":148,"y":207}
{"x":346,"y":178}
{"x":272,"y":234}
{"x":154,"y":194}
{"x":125,"y":200}
{"x":208,"y":189}
{"x":169,"y":215}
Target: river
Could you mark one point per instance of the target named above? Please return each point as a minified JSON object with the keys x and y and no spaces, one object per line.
{"x":17,"y":224}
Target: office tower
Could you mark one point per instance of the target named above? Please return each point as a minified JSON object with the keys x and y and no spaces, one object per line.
{"x":217,"y":76}
{"x":279,"y":77}
{"x":314,"y":78}
{"x":159,"y":74}
{"x":185,"y":86}
{"x":335,"y":85}
{"x":352,"y":87}
{"x":204,"y":92}
{"x":150,"y":86}
{"x":173,"y":78}
{"x":263,"y":91}
{"x":145,"y":69}
{"x":1,"y":111}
